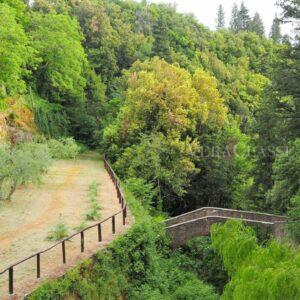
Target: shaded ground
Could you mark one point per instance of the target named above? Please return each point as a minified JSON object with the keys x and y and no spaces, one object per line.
{"x":35,"y":210}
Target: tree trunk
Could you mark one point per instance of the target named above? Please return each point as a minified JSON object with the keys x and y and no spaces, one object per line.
{"x":12,"y":190}
{"x":1,"y":191}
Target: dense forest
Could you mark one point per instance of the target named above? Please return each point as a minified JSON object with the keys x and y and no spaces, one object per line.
{"x":189,"y":117}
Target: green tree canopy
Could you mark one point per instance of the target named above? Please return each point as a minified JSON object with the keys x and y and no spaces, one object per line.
{"x":14,"y":52}
{"x":57,"y":40}
{"x":257,"y":272}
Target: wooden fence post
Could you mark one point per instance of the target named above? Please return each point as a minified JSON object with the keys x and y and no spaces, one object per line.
{"x":64,"y":251}
{"x":11,"y":280}
{"x":82,"y":240}
{"x":124,"y":216}
{"x":99,"y":233}
{"x":113,"y":224}
{"x":38,"y":265}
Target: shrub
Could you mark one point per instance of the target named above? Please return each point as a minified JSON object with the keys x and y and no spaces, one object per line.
{"x":59,"y":232}
{"x":142,"y":190}
{"x":293,"y":219}
{"x":50,"y":118}
{"x":63,"y":148}
{"x":202,"y":258}
{"x":94,"y":212}
{"x":80,"y":227}
{"x":193,"y":290}
{"x":20,"y":165}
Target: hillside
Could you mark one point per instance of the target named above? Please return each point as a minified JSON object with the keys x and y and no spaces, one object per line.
{"x":188,"y":117}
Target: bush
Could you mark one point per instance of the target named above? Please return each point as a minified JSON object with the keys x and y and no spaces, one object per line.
{"x":142,"y":190}
{"x":94,"y":212}
{"x":80,"y":227}
{"x":63,"y":148}
{"x":59,"y":232}
{"x":20,"y":165}
{"x":293,"y":219}
{"x":194,"y":290}
{"x":202,"y":258}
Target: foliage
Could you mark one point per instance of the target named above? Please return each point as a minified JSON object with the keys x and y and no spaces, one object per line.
{"x":63,"y":148}
{"x":235,"y":243}
{"x":59,"y":75}
{"x":14,"y":52}
{"x":201,"y":257}
{"x":134,"y":265}
{"x":94,"y":212}
{"x":20,"y":165}
{"x":270,"y":272}
{"x":286,"y":177}
{"x":257,"y":25}
{"x":275,"y":33}
{"x":137,"y":264}
{"x":163,"y":104}
{"x":148,"y":161}
{"x":80,"y":227}
{"x":59,"y":232}
{"x":50,"y":118}
{"x":140,"y":189}
{"x":189,"y":117}
{"x":220,"y":18}
{"x":293,"y":219}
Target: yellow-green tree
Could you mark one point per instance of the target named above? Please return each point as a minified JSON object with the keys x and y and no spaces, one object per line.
{"x":155,"y":133}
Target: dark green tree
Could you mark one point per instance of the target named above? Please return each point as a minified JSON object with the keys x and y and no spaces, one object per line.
{"x":286,"y":170}
{"x":257,"y":25}
{"x":235,"y":22}
{"x":161,"y":45}
{"x":244,"y":18}
{"x":220,"y":17}
{"x":275,"y":33}
{"x":291,"y":10}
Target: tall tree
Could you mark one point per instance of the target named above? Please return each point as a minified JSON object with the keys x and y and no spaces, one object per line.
{"x":291,"y":10}
{"x":244,"y":18}
{"x":275,"y":33}
{"x":257,"y":25}
{"x":59,"y":76}
{"x":220,"y":17}
{"x":235,"y":24}
{"x":14,"y":52}
{"x":161,"y":45}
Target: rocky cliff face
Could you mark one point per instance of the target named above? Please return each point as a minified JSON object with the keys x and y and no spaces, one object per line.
{"x":16,"y":121}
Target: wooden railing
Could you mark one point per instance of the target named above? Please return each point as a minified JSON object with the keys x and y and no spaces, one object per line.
{"x":10,"y":270}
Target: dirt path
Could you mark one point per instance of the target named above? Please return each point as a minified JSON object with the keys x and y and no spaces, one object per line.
{"x":35,"y":210}
{"x":49,"y":215}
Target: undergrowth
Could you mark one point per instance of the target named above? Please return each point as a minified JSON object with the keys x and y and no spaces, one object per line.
{"x":94,"y":212}
{"x":59,"y":232}
{"x":140,"y":264}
